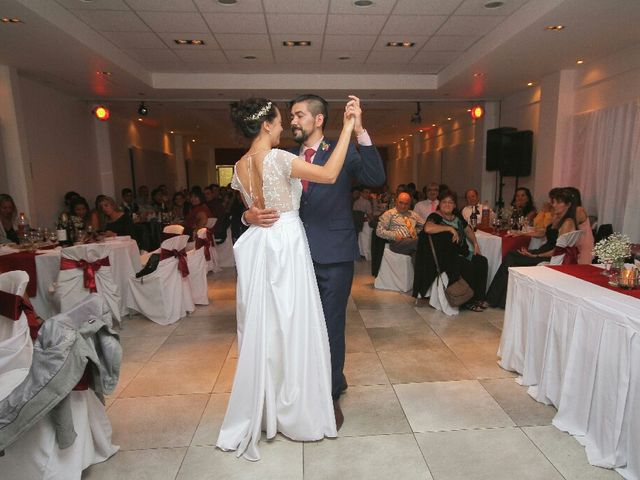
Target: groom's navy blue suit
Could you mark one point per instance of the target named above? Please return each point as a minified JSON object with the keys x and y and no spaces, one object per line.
{"x":326,"y":213}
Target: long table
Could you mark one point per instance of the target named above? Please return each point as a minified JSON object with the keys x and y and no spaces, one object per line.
{"x":576,"y":346}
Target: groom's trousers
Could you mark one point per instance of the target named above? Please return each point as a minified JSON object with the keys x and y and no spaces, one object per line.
{"x":334,"y":282}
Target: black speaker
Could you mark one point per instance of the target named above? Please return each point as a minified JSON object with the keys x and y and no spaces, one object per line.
{"x":516,"y":159}
{"x":496,"y":144}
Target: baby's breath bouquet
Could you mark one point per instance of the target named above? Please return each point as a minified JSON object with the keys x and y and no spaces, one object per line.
{"x":613,"y":250}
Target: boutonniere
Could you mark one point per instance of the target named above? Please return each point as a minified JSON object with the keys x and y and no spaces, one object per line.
{"x":324,"y":146}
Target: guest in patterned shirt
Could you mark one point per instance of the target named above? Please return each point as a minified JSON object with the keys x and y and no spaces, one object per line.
{"x":400,"y":225}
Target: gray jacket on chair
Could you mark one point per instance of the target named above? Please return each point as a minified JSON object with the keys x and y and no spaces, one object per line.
{"x":65,"y":345}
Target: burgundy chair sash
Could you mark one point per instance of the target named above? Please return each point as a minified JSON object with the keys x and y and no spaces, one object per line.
{"x":210,"y":236}
{"x":206,"y":243}
{"x":12,"y":306}
{"x":181,"y":255}
{"x":89,"y":268}
{"x":167,"y":235}
{"x":570,"y":254}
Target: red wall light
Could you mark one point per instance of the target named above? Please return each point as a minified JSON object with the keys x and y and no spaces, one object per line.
{"x":102,"y":113}
{"x":477,"y":112}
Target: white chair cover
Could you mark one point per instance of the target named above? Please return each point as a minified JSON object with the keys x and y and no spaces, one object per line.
{"x":163,"y":296}
{"x":70,"y":290}
{"x":395,"y":273}
{"x":213,"y":264}
{"x":437,"y":298}
{"x":198,"y":267}
{"x":364,"y":241}
{"x":565,"y":240}
{"x":16,"y":347}
{"x":225,"y":252}
{"x":174,"y":229}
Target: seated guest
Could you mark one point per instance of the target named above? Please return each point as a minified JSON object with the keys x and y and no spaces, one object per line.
{"x":180,"y":207}
{"x":585,"y":244}
{"x":236,"y":211}
{"x":456,"y":259}
{"x":544,"y":217}
{"x":118,"y":224}
{"x":157,"y":201}
{"x":214,"y":202}
{"x":129,"y":205}
{"x":144,"y":203}
{"x":363,"y":204}
{"x":198,"y":214}
{"x":564,"y":221}
{"x":522,"y":203}
{"x":80,"y":213}
{"x":97,"y":219}
{"x":400,"y":225}
{"x":473,"y":202}
{"x":430,"y":205}
{"x":8,"y":216}
{"x":68,"y":197}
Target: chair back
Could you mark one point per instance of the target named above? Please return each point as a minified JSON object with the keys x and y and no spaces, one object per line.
{"x":175,"y":243}
{"x":211,"y":222}
{"x":173,"y":229}
{"x":566,"y":251}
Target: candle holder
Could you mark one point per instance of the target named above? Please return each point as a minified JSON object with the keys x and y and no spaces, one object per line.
{"x":627,"y":278}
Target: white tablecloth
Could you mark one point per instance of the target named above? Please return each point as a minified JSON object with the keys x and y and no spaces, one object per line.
{"x":124,"y":258}
{"x":491,"y":248}
{"x":577,"y":346}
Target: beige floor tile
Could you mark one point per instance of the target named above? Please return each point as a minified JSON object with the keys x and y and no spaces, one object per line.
{"x":211,"y":421}
{"x":152,"y":464}
{"x":216,"y":307}
{"x":221,"y":292}
{"x":480,"y":358}
{"x":281,"y":460}
{"x":203,"y":348}
{"x":401,"y":316}
{"x":357,"y":340}
{"x":425,"y":365}
{"x":497,"y":454}
{"x":362,"y":368}
{"x":205,"y":325}
{"x":140,"y":349}
{"x":468,"y":326}
{"x":128,"y":371}
{"x":518,"y":404}
{"x":224,"y":382}
{"x":174,"y":378}
{"x":380,"y":457}
{"x":354,"y":319}
{"x":566,"y":454}
{"x":372,"y":410}
{"x":415,"y":337}
{"x":233,"y":351}
{"x":138,"y":326}
{"x":438,"y":406}
{"x":156,"y":422}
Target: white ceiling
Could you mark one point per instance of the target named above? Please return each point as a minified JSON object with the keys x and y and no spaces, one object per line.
{"x":66,"y":42}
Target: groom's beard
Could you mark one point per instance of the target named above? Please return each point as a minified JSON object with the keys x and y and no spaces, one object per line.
{"x":299,"y":135}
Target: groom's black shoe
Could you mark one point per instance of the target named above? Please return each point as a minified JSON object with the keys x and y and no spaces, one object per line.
{"x":338,"y":413}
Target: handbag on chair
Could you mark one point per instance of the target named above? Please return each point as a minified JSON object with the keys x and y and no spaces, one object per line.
{"x":458,"y":292}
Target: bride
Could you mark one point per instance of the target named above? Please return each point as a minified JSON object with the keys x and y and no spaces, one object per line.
{"x":283,"y":378}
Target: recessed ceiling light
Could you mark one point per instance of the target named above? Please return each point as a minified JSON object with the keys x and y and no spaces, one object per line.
{"x":448,"y":118}
{"x":411,"y":134}
{"x":420,"y":131}
{"x":249,"y":57}
{"x":433,"y":124}
{"x":579,"y":62}
{"x":10,"y":20}
{"x":402,"y":138}
{"x":468,"y":110}
{"x":363,"y":3}
{"x":478,"y":74}
{"x":181,"y":41}
{"x":227,"y":2}
{"x":530,"y":84}
{"x":554,"y":27}
{"x":193,"y":140}
{"x":139,"y":119}
{"x":171,"y":132}
{"x":344,"y":57}
{"x":401,"y":44}
{"x":296,"y":43}
{"x":103,"y":73}
{"x":491,"y":5}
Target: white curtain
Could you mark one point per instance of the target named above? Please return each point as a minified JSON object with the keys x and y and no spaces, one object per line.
{"x":603,"y":161}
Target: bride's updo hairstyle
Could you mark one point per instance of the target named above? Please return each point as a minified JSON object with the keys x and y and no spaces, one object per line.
{"x":249,"y":115}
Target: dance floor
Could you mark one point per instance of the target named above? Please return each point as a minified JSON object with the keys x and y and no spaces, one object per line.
{"x":426,"y":399}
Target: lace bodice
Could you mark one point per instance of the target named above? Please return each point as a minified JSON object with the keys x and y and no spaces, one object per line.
{"x":278,"y":190}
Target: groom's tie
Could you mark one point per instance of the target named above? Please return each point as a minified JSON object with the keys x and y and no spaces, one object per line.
{"x":308,"y":153}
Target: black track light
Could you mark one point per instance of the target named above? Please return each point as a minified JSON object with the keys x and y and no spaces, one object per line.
{"x":416,"y":117}
{"x":142,"y":109}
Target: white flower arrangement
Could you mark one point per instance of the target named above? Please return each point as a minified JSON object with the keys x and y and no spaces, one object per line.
{"x":613,"y":249}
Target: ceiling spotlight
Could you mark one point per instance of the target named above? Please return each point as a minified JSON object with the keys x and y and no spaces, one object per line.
{"x":492,"y":5}
{"x":363,"y":3}
{"x":193,"y":140}
{"x":401,"y":44}
{"x":554,"y":27}
{"x":530,"y":84}
{"x":579,"y":62}
{"x":10,"y":20}
{"x":171,"y":132}
{"x":416,"y":117}
{"x":139,"y":119}
{"x":182,"y":41}
{"x":478,"y":74}
{"x":448,"y":118}
{"x":433,"y":124}
{"x":296,"y":43}
{"x":142,"y":109}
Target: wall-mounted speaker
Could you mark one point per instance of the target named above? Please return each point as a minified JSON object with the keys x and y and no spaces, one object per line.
{"x":496,"y":144}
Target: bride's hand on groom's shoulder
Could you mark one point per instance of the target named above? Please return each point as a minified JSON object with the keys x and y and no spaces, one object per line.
{"x":262,"y":217}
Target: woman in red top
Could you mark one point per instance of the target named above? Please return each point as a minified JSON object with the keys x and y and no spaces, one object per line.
{"x":199,"y":213}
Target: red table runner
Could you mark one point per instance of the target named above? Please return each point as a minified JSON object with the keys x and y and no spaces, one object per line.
{"x":509,"y":242}
{"x":593,"y":274}
{"x":22,"y":261}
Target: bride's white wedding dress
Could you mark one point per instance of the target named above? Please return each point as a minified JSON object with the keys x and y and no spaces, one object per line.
{"x":283,"y":378}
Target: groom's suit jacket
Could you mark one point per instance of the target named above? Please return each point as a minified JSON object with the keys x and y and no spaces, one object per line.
{"x":325,"y":209}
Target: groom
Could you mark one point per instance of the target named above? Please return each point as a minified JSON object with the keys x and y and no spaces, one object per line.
{"x":325,"y":210}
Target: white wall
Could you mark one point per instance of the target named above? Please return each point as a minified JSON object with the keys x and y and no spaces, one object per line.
{"x":61,"y":141}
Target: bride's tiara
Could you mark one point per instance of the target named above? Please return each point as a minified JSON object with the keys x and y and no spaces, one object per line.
{"x":260,"y":113}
